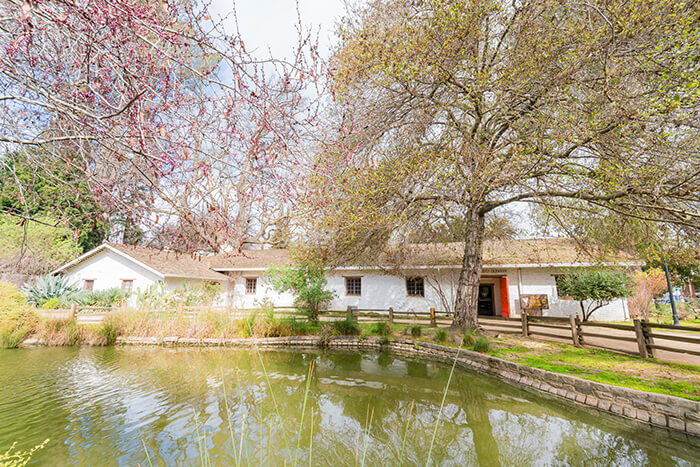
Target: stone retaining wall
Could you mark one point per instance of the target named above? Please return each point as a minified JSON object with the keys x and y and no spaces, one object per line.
{"x":659,"y":410}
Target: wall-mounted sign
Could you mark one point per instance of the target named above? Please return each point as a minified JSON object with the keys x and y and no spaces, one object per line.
{"x":540,"y":301}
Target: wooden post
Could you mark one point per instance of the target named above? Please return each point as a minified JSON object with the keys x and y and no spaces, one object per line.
{"x":351,"y":313}
{"x":391,"y":315}
{"x":433,"y":321}
{"x":641,"y":341}
{"x":523,"y":320}
{"x":574,"y":331}
{"x":73,"y":311}
{"x":648,"y":339}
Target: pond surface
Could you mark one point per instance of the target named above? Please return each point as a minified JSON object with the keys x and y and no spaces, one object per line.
{"x":188,"y":406}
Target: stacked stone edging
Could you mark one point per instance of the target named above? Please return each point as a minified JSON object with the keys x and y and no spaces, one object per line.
{"x":660,"y":410}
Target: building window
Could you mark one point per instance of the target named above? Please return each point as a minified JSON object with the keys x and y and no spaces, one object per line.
{"x":88,"y":284}
{"x":415,"y":287}
{"x":353,"y":286}
{"x":251,"y":285}
{"x":127,"y":285}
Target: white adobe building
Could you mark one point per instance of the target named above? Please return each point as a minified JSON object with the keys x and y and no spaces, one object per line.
{"x":426,"y":278}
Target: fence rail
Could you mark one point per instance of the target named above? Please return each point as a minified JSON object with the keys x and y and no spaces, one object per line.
{"x":599,"y":335}
{"x":640,"y":338}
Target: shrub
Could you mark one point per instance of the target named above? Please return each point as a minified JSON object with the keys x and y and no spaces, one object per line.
{"x":346,"y":327}
{"x":59,"y":332}
{"x":594,"y":288}
{"x":51,"y":304}
{"x":306,"y":282}
{"x":107,"y":297}
{"x":299,"y":327}
{"x":12,"y":302}
{"x":16,"y":318}
{"x":469,"y":337}
{"x":47,"y":287}
{"x":416,"y":331}
{"x":109,"y":330}
{"x":481,"y":344}
{"x":11,"y":334}
{"x":381,"y":329}
{"x":440,"y":335}
{"x":151,"y":297}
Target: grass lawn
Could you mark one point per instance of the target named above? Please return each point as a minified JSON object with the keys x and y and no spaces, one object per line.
{"x":674,"y":379}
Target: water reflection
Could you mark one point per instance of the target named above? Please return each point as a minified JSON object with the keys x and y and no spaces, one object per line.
{"x":99,"y":406}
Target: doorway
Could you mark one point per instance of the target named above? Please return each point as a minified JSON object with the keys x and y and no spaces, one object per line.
{"x":486,"y":307}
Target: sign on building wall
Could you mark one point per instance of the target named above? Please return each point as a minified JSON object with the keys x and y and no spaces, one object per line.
{"x":535,"y":301}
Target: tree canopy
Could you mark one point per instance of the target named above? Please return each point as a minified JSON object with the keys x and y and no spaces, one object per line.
{"x":468,"y":106}
{"x":594,"y":288}
{"x":52,"y":189}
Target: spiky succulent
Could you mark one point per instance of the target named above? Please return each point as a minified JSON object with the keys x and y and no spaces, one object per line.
{"x":47,"y":287}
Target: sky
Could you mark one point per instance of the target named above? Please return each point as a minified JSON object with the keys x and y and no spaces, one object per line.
{"x":272,"y":23}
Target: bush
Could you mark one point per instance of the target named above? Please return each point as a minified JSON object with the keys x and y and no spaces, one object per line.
{"x":481,"y":344}
{"x":47,"y":287}
{"x":109,"y":330}
{"x":381,"y":329}
{"x":469,"y":337}
{"x":16,"y":318}
{"x":416,"y":331}
{"x":11,"y":334}
{"x":107,"y":298}
{"x":299,"y":327}
{"x":440,"y":335}
{"x":59,"y":332}
{"x":51,"y":304}
{"x":12,"y":302}
{"x":594,"y":288}
{"x":346,"y":327}
{"x":308,"y":285}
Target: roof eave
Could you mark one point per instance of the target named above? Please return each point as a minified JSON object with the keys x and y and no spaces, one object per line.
{"x":106,"y":246}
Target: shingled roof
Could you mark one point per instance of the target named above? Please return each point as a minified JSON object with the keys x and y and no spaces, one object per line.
{"x":171,"y":263}
{"x":504,"y":253}
{"x":250,"y":259}
{"x":166,"y":263}
{"x":521,"y":252}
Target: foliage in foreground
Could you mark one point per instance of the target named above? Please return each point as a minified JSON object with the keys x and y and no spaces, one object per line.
{"x":19,"y":458}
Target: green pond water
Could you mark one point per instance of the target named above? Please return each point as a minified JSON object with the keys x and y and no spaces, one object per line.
{"x":107,"y":406}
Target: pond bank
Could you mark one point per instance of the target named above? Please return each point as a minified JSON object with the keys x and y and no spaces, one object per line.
{"x":673,"y":413}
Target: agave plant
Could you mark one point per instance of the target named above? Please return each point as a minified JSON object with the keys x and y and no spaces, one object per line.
{"x":47,"y":287}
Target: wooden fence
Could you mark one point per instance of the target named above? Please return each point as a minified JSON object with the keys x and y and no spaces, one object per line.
{"x":640,"y":338}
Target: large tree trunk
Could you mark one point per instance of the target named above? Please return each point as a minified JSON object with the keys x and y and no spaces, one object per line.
{"x":468,"y":287}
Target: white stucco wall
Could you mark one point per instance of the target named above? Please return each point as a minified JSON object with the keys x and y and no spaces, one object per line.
{"x":238,"y":298}
{"x":379,"y":290}
{"x":542,"y":281}
{"x":108,"y":269}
